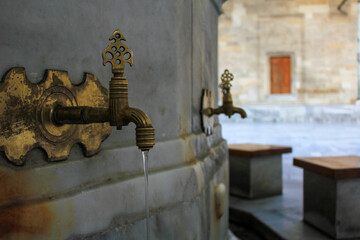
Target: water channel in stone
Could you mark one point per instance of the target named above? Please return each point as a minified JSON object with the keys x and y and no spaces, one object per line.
{"x":145,"y":157}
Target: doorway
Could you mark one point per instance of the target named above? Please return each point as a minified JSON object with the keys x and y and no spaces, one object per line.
{"x":280,"y":75}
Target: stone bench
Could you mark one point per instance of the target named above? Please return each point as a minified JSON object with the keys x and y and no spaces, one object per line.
{"x":256,"y":170}
{"x":332,"y":194}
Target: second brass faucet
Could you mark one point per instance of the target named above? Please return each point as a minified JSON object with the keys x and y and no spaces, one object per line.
{"x":119,"y":113}
{"x":227,"y":108}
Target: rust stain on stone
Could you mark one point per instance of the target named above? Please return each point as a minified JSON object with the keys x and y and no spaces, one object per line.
{"x":14,"y":187}
{"x":19,"y":222}
{"x":25,"y":221}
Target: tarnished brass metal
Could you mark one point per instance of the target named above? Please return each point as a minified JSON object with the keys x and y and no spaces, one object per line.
{"x":227,"y":108}
{"x":119,"y":113}
{"x":26,"y":115}
{"x":117,"y":53}
{"x":55,"y":114}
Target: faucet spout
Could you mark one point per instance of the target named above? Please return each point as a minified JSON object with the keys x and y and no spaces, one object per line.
{"x":240,"y":111}
{"x":145,"y":133}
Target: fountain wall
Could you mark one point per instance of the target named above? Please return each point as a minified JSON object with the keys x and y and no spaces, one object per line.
{"x":102,"y":197}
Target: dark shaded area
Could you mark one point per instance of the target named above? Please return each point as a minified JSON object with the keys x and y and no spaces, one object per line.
{"x":244,"y":233}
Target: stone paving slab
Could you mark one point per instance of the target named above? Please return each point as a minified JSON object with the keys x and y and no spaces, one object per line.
{"x":277,"y":217}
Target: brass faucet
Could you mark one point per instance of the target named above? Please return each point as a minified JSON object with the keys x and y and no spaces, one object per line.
{"x":54,"y":114}
{"x":227,"y":108}
{"x":118,"y":113}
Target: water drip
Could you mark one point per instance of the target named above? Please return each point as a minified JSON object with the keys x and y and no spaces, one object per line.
{"x":145,"y":157}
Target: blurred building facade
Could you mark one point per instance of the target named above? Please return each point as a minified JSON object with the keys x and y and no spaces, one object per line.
{"x":290,"y":52}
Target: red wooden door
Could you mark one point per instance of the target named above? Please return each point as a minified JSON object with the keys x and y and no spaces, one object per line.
{"x":280,"y":75}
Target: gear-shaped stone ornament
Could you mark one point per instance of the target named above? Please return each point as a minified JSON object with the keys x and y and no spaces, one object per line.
{"x":26,"y":115}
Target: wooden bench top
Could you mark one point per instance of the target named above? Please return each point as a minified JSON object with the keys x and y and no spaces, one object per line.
{"x":257,"y":150}
{"x":335,"y":167}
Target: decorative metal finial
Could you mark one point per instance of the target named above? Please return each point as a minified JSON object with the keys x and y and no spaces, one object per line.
{"x":117,"y":53}
{"x":225,"y":85}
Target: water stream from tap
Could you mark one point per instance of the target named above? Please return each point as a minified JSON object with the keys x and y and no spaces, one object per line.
{"x":145,"y":157}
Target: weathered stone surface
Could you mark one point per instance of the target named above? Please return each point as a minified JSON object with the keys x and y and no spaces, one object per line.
{"x":120,"y":204}
{"x":102,"y":197}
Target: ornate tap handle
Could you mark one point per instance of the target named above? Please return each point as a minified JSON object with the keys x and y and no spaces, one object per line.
{"x":117,"y":53}
{"x":120,"y":113}
{"x":225,"y":85}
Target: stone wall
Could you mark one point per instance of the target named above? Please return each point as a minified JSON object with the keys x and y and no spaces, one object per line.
{"x":321,"y":41}
{"x":102,"y":197}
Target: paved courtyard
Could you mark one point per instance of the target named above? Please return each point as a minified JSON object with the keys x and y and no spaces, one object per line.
{"x":306,"y":139}
{"x":283,"y":214}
